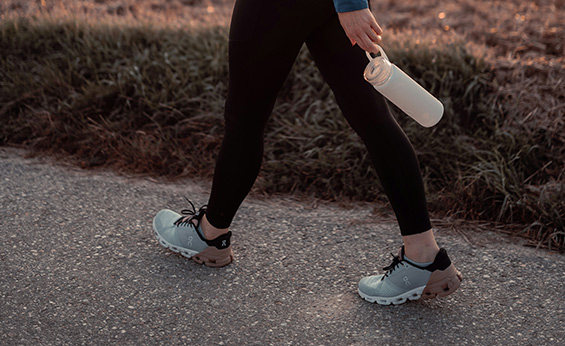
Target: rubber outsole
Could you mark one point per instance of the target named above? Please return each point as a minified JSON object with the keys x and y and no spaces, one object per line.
{"x":414,"y":294}
{"x":210,"y":257}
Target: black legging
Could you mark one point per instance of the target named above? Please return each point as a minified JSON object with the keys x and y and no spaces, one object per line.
{"x":265,"y":38}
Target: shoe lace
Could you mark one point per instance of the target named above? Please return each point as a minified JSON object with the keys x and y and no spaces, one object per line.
{"x":190,"y":214}
{"x":389,"y":269}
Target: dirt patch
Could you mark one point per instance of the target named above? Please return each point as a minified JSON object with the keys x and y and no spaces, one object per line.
{"x":169,"y":12}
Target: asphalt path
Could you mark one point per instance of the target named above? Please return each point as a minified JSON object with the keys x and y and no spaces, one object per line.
{"x":79,"y":265}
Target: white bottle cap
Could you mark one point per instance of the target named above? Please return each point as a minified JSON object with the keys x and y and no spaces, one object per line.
{"x":379,"y":69}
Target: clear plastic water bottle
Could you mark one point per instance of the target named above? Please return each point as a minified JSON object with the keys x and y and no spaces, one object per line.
{"x":402,"y":90}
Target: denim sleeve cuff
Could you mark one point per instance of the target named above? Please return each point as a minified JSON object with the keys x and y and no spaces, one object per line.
{"x":350,"y":5}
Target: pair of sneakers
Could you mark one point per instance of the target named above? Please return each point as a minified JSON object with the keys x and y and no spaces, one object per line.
{"x":402,"y":281}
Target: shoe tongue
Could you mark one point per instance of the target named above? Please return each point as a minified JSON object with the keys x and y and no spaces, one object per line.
{"x":401,"y":253}
{"x":418,"y":264}
{"x":200,"y":231}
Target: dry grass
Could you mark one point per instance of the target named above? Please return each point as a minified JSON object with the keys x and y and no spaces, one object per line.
{"x":124,"y":86}
{"x":524,"y":41}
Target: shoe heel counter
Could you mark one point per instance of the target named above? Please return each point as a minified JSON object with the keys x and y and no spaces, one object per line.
{"x":441,"y":262}
{"x":221,"y":242}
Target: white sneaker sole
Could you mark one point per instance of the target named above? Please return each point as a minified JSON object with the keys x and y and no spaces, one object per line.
{"x":413,"y":294}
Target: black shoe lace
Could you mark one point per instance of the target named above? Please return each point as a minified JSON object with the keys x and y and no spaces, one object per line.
{"x":190,"y":214}
{"x":395,"y":262}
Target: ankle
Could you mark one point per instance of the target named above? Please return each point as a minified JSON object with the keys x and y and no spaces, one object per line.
{"x":421,"y":247}
{"x":210,"y":232}
{"x":421,"y":254}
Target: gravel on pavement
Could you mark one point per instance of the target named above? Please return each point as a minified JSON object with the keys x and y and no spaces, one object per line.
{"x":79,"y":265}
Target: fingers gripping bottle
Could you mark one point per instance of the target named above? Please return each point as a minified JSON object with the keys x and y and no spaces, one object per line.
{"x":402,"y":90}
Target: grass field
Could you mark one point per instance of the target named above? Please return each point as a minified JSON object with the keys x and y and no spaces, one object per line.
{"x":139,"y":86}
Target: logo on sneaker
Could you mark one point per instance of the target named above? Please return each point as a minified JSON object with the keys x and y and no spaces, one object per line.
{"x":189,"y":243}
{"x":406,"y":281}
{"x":224,"y":243}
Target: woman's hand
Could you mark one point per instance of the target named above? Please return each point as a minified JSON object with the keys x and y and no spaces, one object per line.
{"x":362,"y":28}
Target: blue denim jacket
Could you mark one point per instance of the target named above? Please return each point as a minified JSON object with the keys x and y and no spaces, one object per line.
{"x":350,"y":5}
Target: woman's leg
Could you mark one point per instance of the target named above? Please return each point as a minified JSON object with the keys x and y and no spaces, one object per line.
{"x":366,"y":111}
{"x":421,"y":269}
{"x":262,"y":48}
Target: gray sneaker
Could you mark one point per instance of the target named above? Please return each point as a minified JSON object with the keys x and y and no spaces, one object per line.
{"x":404,"y":280}
{"x":182,"y":234}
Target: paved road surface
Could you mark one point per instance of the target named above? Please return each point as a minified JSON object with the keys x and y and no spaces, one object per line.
{"x":79,"y":265}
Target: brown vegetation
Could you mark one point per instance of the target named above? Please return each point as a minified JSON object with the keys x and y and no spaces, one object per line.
{"x":523,"y":40}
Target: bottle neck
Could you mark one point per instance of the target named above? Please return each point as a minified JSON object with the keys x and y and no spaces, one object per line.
{"x":378,"y":71}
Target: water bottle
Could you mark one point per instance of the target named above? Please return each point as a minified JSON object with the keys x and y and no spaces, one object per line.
{"x":402,"y":90}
